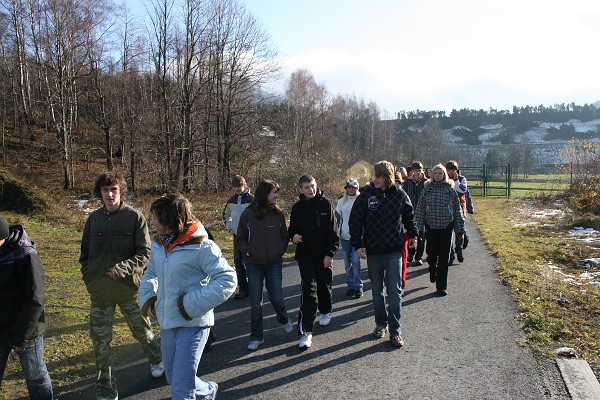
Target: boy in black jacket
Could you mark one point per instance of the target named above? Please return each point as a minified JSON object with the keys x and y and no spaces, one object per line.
{"x":312,"y":229}
{"x":22,"y":301}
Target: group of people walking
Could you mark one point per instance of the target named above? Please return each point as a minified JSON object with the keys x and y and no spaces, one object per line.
{"x":178,"y":277}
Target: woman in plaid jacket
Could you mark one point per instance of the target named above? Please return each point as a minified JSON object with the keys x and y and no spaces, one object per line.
{"x":439,"y":213}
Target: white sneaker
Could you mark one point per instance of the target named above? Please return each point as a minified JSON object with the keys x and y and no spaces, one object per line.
{"x":325,"y":319}
{"x":288,"y":327}
{"x":157,"y":369}
{"x":254,"y":344}
{"x":306,"y":340}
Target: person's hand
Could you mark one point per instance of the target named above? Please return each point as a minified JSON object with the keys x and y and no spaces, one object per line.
{"x":328,"y":261}
{"x":412,"y":243}
{"x":112,"y":274}
{"x":151,"y":314}
{"x":18,"y":349}
{"x":362,"y":253}
{"x":297,"y":238}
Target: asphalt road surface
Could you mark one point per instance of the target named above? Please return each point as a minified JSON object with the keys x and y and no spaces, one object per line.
{"x":462,"y":346}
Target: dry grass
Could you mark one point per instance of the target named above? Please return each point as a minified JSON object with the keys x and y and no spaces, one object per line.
{"x":537,"y":258}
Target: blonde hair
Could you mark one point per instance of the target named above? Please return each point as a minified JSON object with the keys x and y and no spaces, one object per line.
{"x":443,"y":169}
{"x":346,"y":197}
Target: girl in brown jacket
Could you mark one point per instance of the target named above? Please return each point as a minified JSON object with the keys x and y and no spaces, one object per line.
{"x":262,"y":238}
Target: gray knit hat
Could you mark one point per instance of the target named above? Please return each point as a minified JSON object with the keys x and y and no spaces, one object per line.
{"x":4,"y":229}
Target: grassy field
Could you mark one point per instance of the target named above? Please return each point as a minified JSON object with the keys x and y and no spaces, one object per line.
{"x":532,"y":185}
{"x":542,"y":265}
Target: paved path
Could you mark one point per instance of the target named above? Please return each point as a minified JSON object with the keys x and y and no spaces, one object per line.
{"x":462,"y":346}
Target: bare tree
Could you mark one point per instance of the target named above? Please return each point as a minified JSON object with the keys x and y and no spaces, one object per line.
{"x":161,"y":17}
{"x":64,"y":30}
{"x":242,"y":60}
{"x":17,"y":12}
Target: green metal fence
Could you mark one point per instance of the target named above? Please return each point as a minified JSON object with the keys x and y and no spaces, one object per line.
{"x":488,"y":180}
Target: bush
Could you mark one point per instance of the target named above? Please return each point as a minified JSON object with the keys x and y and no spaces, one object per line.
{"x":17,"y":196}
{"x":583,"y":162}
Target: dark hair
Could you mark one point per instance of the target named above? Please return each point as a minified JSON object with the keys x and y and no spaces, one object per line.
{"x":238,"y":180}
{"x":452,"y":165}
{"x":110,"y":178}
{"x":305,"y":179}
{"x":417,"y":164}
{"x":173,"y":211}
{"x":260,"y":204}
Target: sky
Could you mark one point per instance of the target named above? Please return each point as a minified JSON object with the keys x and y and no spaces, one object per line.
{"x":441,"y":54}
{"x":406,"y":55}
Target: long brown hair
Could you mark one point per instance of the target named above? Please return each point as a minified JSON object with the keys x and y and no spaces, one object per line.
{"x":260,"y":204}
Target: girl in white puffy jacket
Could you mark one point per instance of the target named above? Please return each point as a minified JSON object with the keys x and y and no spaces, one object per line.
{"x":351,"y":259}
{"x":186,"y":278}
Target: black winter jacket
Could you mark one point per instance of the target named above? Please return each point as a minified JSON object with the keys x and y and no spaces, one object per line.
{"x":21,"y":289}
{"x":314,"y":219}
{"x":377,"y":218}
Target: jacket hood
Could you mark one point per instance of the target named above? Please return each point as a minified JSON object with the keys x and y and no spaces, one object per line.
{"x":17,"y":238}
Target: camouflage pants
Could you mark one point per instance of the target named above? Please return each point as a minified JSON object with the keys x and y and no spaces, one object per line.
{"x":101,"y":332}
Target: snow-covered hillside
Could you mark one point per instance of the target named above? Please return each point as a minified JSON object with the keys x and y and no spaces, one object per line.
{"x":545,"y":151}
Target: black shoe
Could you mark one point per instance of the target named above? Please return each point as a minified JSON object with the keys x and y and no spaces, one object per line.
{"x":432,"y":275}
{"x":459,"y":255}
{"x":409,"y":259}
{"x":358,"y":294}
{"x":211,"y":339}
{"x":451,"y":261}
{"x":350,"y":292}
{"x":441,"y":292}
{"x":419,"y":262}
{"x":241,"y":294}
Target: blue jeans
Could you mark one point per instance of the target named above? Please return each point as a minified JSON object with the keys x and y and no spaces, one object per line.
{"x":181,"y":352}
{"x":271,"y":275}
{"x":352,"y":264}
{"x":34,"y":368}
{"x":386,"y":268}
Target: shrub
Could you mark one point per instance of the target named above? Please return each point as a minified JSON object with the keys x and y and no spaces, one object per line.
{"x":17,"y":196}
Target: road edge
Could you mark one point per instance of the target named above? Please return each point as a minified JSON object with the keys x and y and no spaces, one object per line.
{"x":579,"y":378}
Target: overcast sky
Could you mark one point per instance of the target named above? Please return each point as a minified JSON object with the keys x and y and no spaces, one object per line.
{"x":441,"y":54}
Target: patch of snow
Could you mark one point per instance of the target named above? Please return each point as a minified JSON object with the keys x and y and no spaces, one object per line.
{"x":583,"y":278}
{"x":548,"y":213}
{"x":588,"y":235}
{"x":494,"y":126}
{"x":83,"y":204}
{"x":589,"y":275}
